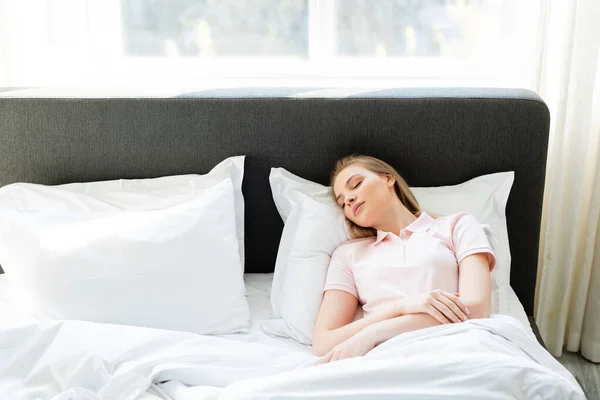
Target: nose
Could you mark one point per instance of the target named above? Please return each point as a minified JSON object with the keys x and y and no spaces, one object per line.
{"x":350,"y":200}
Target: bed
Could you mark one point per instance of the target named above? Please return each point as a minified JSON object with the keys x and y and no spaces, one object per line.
{"x":435,"y":137}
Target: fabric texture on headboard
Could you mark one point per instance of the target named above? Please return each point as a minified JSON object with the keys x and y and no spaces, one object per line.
{"x":431,"y":136}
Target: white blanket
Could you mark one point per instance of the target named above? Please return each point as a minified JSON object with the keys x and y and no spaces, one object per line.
{"x":493,"y":358}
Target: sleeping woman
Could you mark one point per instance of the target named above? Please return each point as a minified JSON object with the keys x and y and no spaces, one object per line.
{"x":407,"y":269}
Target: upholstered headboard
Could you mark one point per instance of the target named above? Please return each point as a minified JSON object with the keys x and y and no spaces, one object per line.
{"x":432,"y":136}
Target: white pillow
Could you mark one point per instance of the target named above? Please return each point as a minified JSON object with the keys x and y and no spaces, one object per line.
{"x":314,"y":227}
{"x":159,"y":253}
{"x":485,"y":198}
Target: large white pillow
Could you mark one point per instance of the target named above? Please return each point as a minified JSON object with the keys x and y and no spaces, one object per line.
{"x":161,"y":253}
{"x":314,"y":226}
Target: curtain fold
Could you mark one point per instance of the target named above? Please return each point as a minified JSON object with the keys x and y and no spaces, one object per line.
{"x":568,"y":290}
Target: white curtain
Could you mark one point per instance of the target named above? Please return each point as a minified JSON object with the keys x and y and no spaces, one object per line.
{"x":567,"y":308}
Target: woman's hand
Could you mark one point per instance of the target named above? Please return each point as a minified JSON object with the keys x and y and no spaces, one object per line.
{"x":358,"y":345}
{"x":443,"y":306}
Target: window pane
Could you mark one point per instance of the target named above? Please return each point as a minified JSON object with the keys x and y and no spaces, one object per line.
{"x":208,"y":28}
{"x":452,"y":29}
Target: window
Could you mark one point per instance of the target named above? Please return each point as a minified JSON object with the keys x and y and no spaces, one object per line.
{"x":209,"y":28}
{"x":124,"y":41}
{"x":459,"y":30}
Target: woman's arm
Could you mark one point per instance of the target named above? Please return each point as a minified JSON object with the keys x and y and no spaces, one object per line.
{"x":386,"y":330}
{"x":475,"y":294}
{"x":469,"y":238}
{"x":365,"y":340}
{"x":334,"y":322}
{"x":474,"y":284}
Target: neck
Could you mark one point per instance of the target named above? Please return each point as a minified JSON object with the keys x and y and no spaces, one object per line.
{"x":396,"y":219}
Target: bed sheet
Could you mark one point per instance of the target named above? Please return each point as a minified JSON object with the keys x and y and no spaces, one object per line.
{"x":9,"y":315}
{"x":148,"y":364}
{"x":258,"y":287}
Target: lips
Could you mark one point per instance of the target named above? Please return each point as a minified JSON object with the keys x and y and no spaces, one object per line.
{"x":356,"y":207}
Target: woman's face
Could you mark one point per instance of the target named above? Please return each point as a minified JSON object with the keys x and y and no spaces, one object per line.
{"x":363,"y":195}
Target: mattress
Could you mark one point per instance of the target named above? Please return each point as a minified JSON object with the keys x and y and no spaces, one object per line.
{"x":258,"y":287}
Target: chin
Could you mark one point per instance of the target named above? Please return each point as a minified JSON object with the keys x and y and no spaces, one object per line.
{"x":362,"y":223}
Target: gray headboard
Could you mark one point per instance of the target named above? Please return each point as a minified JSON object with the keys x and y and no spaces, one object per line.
{"x":432,"y":136}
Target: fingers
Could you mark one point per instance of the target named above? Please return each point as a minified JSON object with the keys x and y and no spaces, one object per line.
{"x":453,"y":308}
{"x":333,"y":355}
{"x":444,"y":309}
{"x":435,"y":313}
{"x":336,"y":356}
{"x":327,"y":357}
{"x":456,"y":300}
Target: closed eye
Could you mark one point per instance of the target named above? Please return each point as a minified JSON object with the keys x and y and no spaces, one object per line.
{"x":343,"y":205}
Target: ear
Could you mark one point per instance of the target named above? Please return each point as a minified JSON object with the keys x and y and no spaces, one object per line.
{"x":390,"y":180}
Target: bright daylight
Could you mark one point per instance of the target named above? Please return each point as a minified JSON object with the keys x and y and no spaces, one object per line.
{"x":299,"y":199}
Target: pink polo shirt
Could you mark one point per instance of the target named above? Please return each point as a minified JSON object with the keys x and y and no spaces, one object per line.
{"x":425,"y":256}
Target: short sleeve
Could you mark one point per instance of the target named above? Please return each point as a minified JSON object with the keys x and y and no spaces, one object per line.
{"x":339,"y":273}
{"x":469,"y":237}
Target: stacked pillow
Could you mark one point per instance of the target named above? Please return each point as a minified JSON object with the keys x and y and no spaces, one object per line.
{"x":163,"y":253}
{"x":314,"y":227}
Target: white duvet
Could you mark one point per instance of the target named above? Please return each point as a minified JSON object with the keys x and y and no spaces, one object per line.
{"x":494,"y":358}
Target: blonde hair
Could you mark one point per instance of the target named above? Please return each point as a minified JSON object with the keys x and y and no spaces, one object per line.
{"x":375,"y":165}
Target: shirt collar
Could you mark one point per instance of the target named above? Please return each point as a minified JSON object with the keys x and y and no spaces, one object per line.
{"x":421,"y":224}
{"x":380,"y":236}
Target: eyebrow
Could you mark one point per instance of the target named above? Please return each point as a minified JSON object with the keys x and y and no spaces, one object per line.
{"x":337,"y":199}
